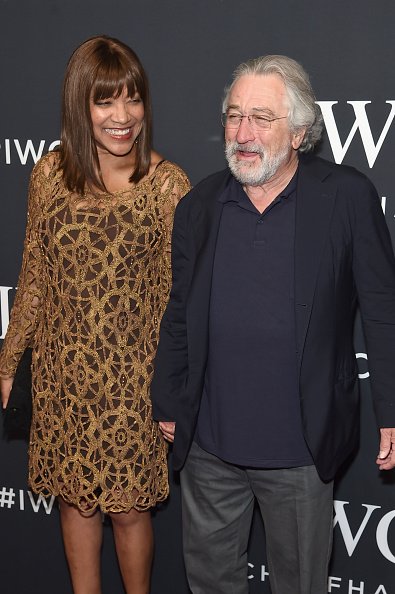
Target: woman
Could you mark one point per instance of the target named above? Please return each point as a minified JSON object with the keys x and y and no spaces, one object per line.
{"x":94,"y":282}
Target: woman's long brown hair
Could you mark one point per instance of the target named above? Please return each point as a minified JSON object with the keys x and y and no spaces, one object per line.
{"x":99,"y":68}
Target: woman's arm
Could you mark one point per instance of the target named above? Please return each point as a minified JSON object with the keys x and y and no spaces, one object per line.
{"x":28,"y":300}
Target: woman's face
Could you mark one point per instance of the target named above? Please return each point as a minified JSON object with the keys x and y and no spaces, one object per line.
{"x":117,"y":122}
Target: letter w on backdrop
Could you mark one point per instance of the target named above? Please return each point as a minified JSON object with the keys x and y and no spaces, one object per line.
{"x":361,"y":123}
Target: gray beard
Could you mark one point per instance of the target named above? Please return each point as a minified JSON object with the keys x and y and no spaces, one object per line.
{"x":251,"y":174}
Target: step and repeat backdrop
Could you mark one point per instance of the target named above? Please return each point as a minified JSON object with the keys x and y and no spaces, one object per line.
{"x":189,"y":49}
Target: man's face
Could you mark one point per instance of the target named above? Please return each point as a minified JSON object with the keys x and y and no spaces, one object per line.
{"x":256,"y":155}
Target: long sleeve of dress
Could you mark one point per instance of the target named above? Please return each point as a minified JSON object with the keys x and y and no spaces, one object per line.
{"x":28,"y":299}
{"x":173,"y":186}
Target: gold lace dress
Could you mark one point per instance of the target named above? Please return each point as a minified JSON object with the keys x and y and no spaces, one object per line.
{"x":93,"y":286}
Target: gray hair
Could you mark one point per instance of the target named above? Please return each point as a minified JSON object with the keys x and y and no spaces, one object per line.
{"x":303,"y":111}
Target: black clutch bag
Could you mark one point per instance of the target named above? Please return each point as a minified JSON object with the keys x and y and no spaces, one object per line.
{"x":18,"y":414}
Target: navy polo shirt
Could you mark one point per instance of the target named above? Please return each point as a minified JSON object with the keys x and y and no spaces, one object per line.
{"x":250,"y":410}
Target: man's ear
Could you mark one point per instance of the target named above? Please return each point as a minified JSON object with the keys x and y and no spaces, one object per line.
{"x":297,"y":138}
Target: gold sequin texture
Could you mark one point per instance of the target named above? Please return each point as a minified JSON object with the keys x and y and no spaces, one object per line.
{"x":93,"y":286}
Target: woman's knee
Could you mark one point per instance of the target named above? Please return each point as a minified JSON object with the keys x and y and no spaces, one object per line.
{"x":130,"y":518}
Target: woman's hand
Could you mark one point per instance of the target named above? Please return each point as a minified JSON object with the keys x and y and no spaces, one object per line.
{"x":5,"y":389}
{"x":168,"y":429}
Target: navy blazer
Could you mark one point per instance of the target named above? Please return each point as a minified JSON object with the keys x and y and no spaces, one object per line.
{"x":343,"y":256}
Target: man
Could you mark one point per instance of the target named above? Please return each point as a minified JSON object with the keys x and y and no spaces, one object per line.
{"x":255,"y":374}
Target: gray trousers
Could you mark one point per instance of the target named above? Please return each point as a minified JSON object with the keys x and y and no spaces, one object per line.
{"x":217,"y":506}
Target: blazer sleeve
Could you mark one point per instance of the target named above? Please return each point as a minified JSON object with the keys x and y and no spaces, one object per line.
{"x":171,"y":362}
{"x":374,"y":275}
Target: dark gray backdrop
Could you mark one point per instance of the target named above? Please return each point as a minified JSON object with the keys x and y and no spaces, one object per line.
{"x":189,"y":49}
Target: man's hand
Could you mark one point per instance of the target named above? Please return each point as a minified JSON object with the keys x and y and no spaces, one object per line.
{"x":386,"y":457}
{"x":5,"y":389}
{"x":168,"y":429}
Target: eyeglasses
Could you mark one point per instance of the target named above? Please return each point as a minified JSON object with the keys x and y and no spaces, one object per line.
{"x":233,"y":120}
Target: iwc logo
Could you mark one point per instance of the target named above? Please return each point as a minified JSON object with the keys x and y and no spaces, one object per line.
{"x":25,"y":151}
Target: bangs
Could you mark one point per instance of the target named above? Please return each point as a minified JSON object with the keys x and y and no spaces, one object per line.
{"x":111,"y":78}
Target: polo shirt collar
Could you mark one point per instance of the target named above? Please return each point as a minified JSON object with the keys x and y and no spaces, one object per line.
{"x":234,"y":191}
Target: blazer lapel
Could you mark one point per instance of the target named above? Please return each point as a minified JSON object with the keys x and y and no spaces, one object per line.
{"x":314,"y":205}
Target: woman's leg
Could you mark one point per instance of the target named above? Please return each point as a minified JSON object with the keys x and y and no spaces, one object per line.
{"x":134,"y":544}
{"x":82,"y":538}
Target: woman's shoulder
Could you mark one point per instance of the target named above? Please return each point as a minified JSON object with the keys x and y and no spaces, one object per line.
{"x":47,"y":165}
{"x":46,"y":179}
{"x":165,"y":169}
{"x":173,"y":167}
